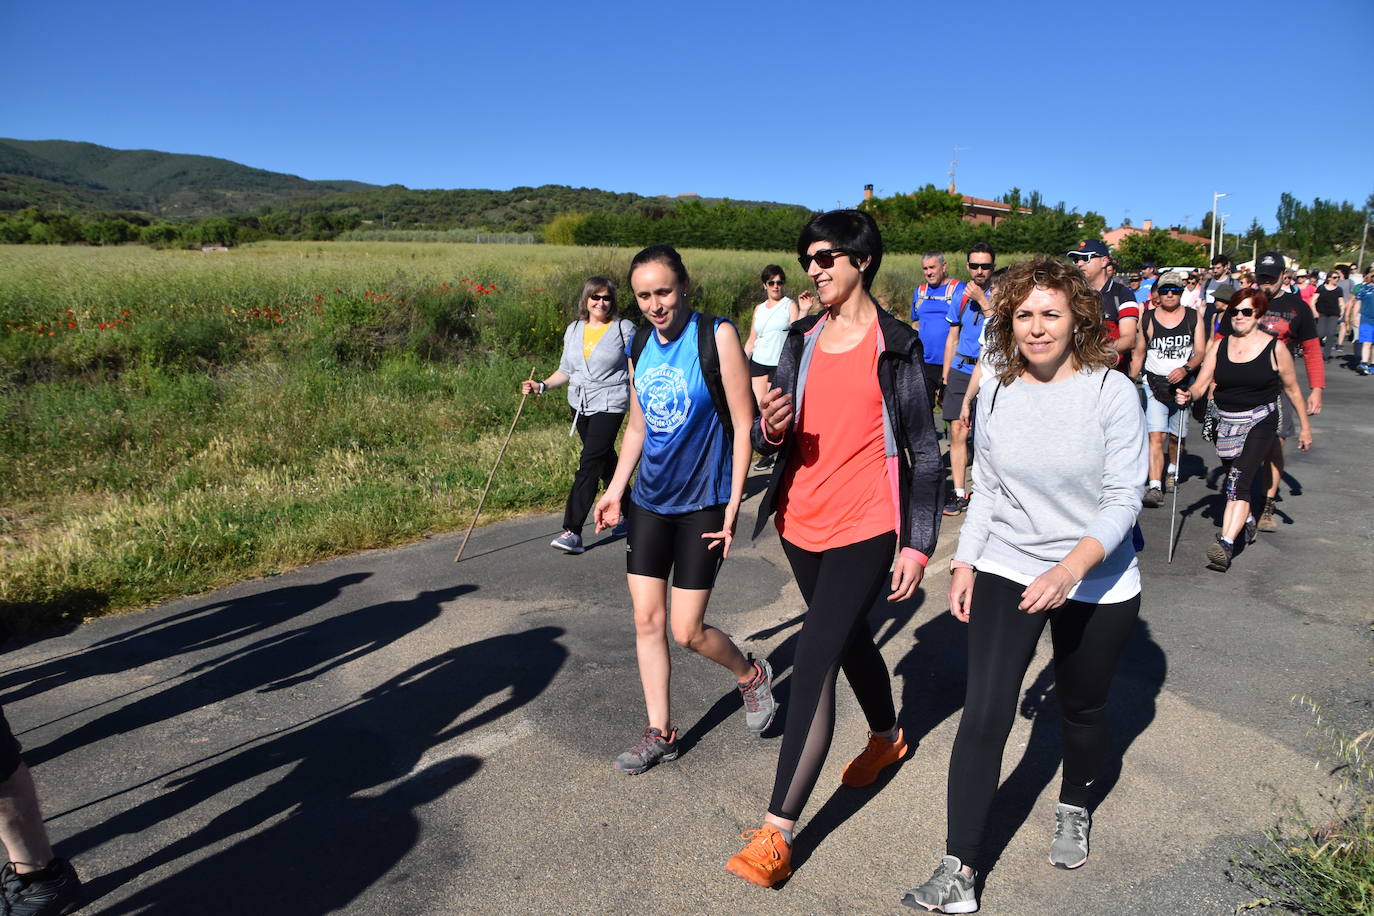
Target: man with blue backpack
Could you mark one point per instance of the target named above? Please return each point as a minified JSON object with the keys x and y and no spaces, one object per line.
{"x":964,"y":318}
{"x":930,"y":306}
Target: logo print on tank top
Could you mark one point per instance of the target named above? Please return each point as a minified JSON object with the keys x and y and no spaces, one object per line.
{"x":663,"y":393}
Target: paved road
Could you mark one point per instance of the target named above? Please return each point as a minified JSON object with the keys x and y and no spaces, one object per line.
{"x":391,"y":733}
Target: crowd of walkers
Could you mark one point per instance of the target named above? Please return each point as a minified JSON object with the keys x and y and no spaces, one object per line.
{"x":1066,"y":395}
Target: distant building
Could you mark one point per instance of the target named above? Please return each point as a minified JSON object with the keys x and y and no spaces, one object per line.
{"x":978,"y":211}
{"x":1114,"y":237}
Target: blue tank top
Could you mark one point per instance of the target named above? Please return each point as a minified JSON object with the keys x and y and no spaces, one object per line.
{"x":685,"y":463}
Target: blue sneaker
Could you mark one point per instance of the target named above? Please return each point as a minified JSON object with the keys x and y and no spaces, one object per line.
{"x":568,"y":542}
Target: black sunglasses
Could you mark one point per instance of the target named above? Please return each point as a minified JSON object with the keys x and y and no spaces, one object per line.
{"x":1244,"y":311}
{"x":772,"y":283}
{"x":973,"y":266}
{"x":601,"y":297}
{"x":1171,"y":290}
{"x":825,"y":258}
{"x":1080,"y":258}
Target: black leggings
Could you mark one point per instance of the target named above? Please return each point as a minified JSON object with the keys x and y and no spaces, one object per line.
{"x":1240,"y":471}
{"x":839,"y":586}
{"x":596,"y":467}
{"x":1088,"y":639}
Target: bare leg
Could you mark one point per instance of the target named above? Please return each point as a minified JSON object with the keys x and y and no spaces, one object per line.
{"x":1157,"y":456}
{"x":21,"y":823}
{"x":1233,"y":520}
{"x":958,"y":453}
{"x":650,"y":599}
{"x":760,"y":385}
{"x":1275,"y":465}
{"x":689,"y":609}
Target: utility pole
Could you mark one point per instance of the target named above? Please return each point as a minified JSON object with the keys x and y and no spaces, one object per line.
{"x":954,"y":166}
{"x":1221,"y":232}
{"x":1364,"y":237}
{"x":1216,"y":195}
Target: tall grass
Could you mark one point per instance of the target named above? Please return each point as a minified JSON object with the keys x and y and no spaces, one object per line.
{"x":171,"y":421}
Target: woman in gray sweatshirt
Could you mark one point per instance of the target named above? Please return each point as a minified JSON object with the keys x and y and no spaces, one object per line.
{"x":595,"y":369}
{"x":1060,"y":458}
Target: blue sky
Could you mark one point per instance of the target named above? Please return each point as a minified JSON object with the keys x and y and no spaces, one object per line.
{"x":1133,"y":110}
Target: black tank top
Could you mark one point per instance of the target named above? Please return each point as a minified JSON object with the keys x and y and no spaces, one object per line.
{"x":1329,"y":300}
{"x":1247,"y":385}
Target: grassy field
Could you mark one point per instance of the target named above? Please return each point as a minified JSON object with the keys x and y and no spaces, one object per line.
{"x":172,"y":421}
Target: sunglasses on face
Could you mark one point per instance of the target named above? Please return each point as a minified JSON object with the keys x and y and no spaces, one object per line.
{"x":772,"y":283}
{"x":973,"y":266}
{"x":1082,"y":258}
{"x":1171,"y":290}
{"x":601,"y":297}
{"x":1244,"y":311}
{"x":825,"y":258}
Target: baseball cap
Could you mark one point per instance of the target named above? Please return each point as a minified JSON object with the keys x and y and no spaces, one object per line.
{"x":1092,"y":246}
{"x":1173,"y":278}
{"x":1224,"y":292}
{"x":1270,"y":264}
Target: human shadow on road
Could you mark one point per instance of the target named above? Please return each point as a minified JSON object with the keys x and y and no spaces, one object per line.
{"x":273,"y":663}
{"x":1131,"y":708}
{"x":333,"y":833}
{"x":196,"y":629}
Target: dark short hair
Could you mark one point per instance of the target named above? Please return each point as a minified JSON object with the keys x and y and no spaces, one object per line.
{"x":1221,"y":259}
{"x":771,"y":271}
{"x":853,"y":230}
{"x":666,"y":255}
{"x":595,"y":285}
{"x":984,"y":248}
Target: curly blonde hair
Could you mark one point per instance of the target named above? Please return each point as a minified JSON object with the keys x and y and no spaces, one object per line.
{"x":1089,"y":346}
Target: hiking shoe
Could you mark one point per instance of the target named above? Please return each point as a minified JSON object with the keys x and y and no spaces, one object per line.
{"x":1071,"y":826}
{"x":1219,"y":555}
{"x":880,"y":753}
{"x":765,"y":462}
{"x":23,"y":895}
{"x":1154,"y":498}
{"x":1251,"y":529}
{"x":568,"y":542}
{"x":759,"y":705}
{"x":765,"y":861}
{"x":1267,"y":522}
{"x":1170,"y":480}
{"x":955,"y":504}
{"x":949,"y":890}
{"x":652,"y":748}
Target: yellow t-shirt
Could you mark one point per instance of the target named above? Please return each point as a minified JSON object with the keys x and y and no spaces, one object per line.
{"x":591,"y":336}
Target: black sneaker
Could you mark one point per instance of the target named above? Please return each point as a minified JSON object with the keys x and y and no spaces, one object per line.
{"x":1219,"y":555}
{"x":55,"y":895}
{"x":955,"y":504}
{"x":1154,"y":498}
{"x":765,"y":462}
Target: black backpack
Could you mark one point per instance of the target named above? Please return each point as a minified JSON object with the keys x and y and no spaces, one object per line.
{"x":709,"y":357}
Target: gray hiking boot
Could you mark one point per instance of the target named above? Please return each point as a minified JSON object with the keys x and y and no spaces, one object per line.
{"x":568,"y":542}
{"x":1071,"y":827}
{"x":652,"y":748}
{"x":1154,"y":498}
{"x":949,"y":890}
{"x":1219,"y":555}
{"x":759,"y":705}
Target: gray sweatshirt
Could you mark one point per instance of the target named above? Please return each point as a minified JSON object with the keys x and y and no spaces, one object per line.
{"x":600,"y":384}
{"x":1053,"y":464}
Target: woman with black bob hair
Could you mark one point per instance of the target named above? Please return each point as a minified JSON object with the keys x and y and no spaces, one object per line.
{"x":857,"y":481}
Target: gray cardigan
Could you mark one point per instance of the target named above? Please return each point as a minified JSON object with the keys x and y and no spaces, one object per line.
{"x":600,"y":384}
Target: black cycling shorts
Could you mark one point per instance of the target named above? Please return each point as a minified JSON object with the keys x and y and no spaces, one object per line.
{"x":9,"y":749}
{"x":659,"y":544}
{"x":758,"y":370}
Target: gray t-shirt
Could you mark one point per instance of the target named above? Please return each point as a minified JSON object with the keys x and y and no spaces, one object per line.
{"x":1053,"y":464}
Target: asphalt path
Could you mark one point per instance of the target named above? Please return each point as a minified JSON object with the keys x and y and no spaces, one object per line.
{"x":392,"y":733}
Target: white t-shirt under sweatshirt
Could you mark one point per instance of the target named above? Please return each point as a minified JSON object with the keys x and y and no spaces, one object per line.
{"x":1054,"y":463}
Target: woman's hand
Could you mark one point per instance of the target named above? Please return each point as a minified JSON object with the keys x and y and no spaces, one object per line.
{"x":726,"y":535}
{"x":607,"y":511}
{"x":1305,"y":439}
{"x":1182,"y":396}
{"x":907,"y":573}
{"x":961,"y":592}
{"x":807,"y":301}
{"x":530,"y":386}
{"x":776,"y":408}
{"x":1049,"y":590}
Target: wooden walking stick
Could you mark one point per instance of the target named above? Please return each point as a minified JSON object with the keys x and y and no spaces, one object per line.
{"x":492,"y":475}
{"x":1178,"y":471}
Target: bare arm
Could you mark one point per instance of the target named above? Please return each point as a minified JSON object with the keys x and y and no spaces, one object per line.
{"x":734,"y":373}
{"x":1126,"y":342}
{"x":951,"y":346}
{"x":557,"y":380}
{"x":1289,"y":376}
{"x":607,"y":513}
{"x":753,"y":333}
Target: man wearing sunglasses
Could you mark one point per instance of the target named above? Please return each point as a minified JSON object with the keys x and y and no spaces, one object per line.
{"x":961,"y":352}
{"x":1290,"y":320}
{"x":1170,"y":346}
{"x":1119,"y":308}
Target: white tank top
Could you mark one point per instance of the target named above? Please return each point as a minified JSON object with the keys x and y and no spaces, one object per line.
{"x":771,"y":327}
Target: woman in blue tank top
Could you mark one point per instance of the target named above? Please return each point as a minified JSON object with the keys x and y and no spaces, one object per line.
{"x":682,"y":509}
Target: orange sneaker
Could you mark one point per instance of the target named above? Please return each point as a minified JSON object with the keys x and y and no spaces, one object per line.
{"x":766,"y":860}
{"x":863,"y":769}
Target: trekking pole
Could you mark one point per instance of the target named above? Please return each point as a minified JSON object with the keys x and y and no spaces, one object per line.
{"x":1178,"y":472}
{"x":492,"y":475}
